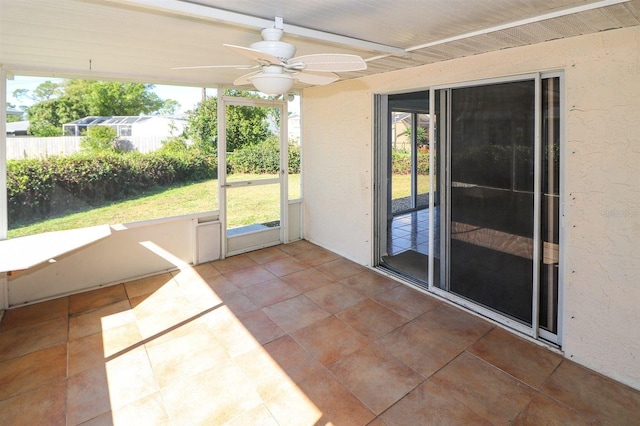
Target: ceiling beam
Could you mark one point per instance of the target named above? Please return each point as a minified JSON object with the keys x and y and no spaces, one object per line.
{"x":183,"y":8}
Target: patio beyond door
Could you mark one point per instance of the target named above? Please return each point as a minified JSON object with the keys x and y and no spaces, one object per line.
{"x":253,"y":200}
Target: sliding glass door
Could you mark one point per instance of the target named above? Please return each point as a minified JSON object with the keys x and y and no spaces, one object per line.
{"x":491,"y":196}
{"x":492,"y":221}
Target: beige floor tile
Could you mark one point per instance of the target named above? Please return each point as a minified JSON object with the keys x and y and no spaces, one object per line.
{"x":87,"y":395}
{"x":295,"y":313}
{"x":406,"y":301}
{"x":205,"y":270}
{"x":308,"y":279}
{"x":335,"y":297}
{"x":316,"y":256}
{"x":33,"y":314}
{"x":454,"y":324}
{"x":432,"y":405}
{"x":337,"y":404}
{"x":292,"y":358}
{"x":130,"y":377}
{"x":320,"y":400}
{"x":199,"y":293}
{"x":238,"y":302}
{"x":543,"y":410}
{"x":266,"y":375}
{"x":86,"y":353}
{"x":158,"y":315}
{"x":524,"y":360}
{"x":247,"y":277}
{"x":96,"y":321}
{"x":230,"y":332}
{"x":185,"y":356}
{"x":259,"y":416}
{"x":90,"y":300}
{"x":270,"y":292}
{"x":30,"y":371}
{"x":44,"y":405}
{"x":594,"y":395}
{"x":294,"y":408}
{"x":370,"y":283}
{"x":19,"y":341}
{"x":220,"y":285}
{"x":340,"y":268}
{"x":147,"y":411}
{"x":267,"y":255}
{"x":371,"y":319}
{"x":424,"y":352}
{"x":297,"y":247}
{"x":375,"y":377}
{"x":329,"y":340}
{"x":261,"y":327}
{"x":212,"y":397}
{"x":490,"y":392}
{"x":148,"y":285}
{"x":286,"y":266}
{"x":233,"y":263}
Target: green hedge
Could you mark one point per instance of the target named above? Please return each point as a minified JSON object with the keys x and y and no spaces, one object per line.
{"x":50,"y":186}
{"x":401,"y":163}
{"x":262,"y":158}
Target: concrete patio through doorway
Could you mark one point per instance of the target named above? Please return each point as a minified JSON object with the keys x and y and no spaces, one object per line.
{"x":287,"y":335}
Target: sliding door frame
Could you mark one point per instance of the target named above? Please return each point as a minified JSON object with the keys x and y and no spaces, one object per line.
{"x":381,"y":177}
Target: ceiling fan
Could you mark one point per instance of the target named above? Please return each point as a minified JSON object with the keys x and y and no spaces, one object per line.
{"x":279,"y":69}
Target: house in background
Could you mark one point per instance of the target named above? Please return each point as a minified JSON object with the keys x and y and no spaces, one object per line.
{"x":143,"y":125}
{"x":18,"y":128}
{"x":544,"y":95}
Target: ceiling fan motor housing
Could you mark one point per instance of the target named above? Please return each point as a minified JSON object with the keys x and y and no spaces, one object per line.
{"x":273,"y":46}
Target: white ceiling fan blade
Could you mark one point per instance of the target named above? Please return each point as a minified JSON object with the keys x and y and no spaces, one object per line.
{"x":256,"y":55}
{"x":240,"y":67}
{"x":333,"y":62}
{"x":245,"y":79}
{"x":316,"y":78}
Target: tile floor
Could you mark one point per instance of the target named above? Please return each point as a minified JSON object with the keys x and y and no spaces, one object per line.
{"x":410,"y":231}
{"x":289,"y":335}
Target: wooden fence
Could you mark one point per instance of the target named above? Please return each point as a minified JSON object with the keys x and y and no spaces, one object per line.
{"x":32,"y":147}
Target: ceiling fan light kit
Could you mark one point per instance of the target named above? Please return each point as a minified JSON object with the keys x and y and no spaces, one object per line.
{"x":280,"y":69}
{"x":272,"y":84}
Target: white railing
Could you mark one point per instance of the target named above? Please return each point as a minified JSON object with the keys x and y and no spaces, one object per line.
{"x":32,"y":147}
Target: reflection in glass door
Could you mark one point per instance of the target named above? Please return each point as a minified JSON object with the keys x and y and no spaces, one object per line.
{"x":491,"y":196}
{"x":499,"y":219}
{"x":254,"y":198}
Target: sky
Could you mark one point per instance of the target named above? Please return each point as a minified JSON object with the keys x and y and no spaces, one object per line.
{"x":188,"y":97}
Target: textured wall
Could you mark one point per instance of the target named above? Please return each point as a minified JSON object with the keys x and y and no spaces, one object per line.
{"x":601,"y":166}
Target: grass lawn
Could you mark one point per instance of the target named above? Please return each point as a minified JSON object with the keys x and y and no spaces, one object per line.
{"x":401,"y":185}
{"x":249,"y":205}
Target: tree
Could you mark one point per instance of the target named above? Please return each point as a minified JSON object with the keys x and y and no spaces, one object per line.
{"x":47,"y":117}
{"x":99,"y":139}
{"x":59,"y":103}
{"x":169,"y":107}
{"x":44,"y":92}
{"x":245,"y":125}
{"x":202,"y":127}
{"x":116,"y":98}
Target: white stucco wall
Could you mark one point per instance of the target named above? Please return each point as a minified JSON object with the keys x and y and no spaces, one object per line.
{"x":601,"y":311}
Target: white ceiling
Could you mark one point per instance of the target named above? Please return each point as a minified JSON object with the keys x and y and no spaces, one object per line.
{"x":141,"y":40}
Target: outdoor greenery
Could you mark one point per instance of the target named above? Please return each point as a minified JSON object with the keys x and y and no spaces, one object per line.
{"x":245,"y":125}
{"x":57,"y":185}
{"x":69,"y":100}
{"x":401,"y":162}
{"x":162,"y":201}
{"x":263,"y":157}
{"x":107,"y":183}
